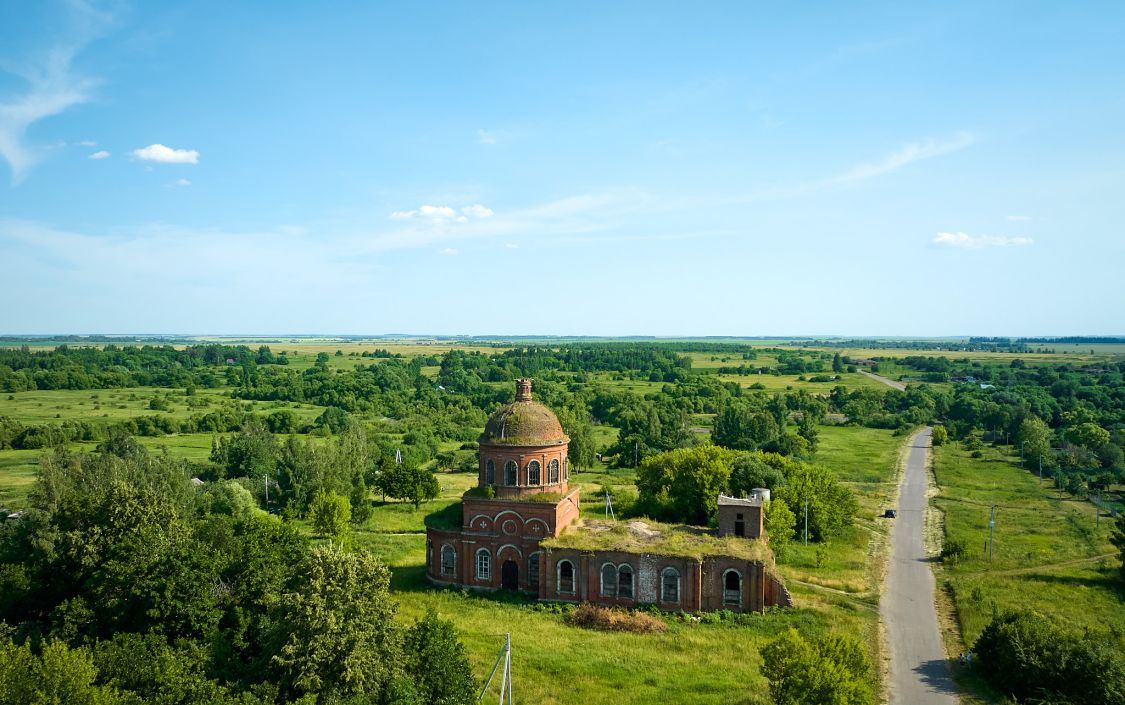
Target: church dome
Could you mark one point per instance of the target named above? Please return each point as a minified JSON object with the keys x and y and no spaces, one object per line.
{"x":523,"y":422}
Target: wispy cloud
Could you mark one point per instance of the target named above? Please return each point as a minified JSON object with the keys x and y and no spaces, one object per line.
{"x":1019,"y":218}
{"x":487,"y":137}
{"x":166,"y":155}
{"x":52,"y":87}
{"x":908,"y":154}
{"x":87,"y":143}
{"x":975,"y":242}
{"x":449,"y":251}
{"x":100,"y":154}
{"x":183,"y":182}
{"x":439,"y":215}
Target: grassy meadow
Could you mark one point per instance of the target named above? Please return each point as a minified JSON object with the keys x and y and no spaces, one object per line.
{"x":1047,"y":553}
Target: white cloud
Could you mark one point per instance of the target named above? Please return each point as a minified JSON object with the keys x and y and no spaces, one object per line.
{"x":52,"y":87}
{"x":100,"y":154}
{"x":486,"y":137}
{"x":511,"y":246}
{"x":976,"y":242}
{"x":1019,"y":218}
{"x":438,"y":215}
{"x":908,"y":154}
{"x":87,"y":143}
{"x":166,"y":155}
{"x":449,"y":251}
{"x":477,"y":211}
{"x":437,"y":212}
{"x":183,"y":182}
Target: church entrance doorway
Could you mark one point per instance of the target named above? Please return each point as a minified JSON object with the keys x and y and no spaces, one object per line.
{"x":510,"y":575}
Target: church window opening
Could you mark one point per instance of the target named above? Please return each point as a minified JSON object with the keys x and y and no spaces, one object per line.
{"x":553,"y":472}
{"x":533,"y":571}
{"x":625,"y":582}
{"x":448,"y":560}
{"x":533,"y":472}
{"x":489,"y":472}
{"x":566,"y":577}
{"x":484,"y":565}
{"x":670,"y":585}
{"x":510,"y":471}
{"x":732,"y":588}
{"x":609,"y":580}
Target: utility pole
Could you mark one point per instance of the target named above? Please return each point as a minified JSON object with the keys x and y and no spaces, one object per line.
{"x":1021,"y":454}
{"x":991,"y":526}
{"x":806,"y":522}
{"x":266,"y":481}
{"x":1098,"y":510}
{"x":1040,"y":468}
{"x":609,"y":507}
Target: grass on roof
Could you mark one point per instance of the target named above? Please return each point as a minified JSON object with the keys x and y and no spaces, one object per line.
{"x":646,"y":536}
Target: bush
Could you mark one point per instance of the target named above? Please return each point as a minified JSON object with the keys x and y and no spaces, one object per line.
{"x":954,"y":550}
{"x":1026,"y":657}
{"x":940,"y":435}
{"x":612,"y":620}
{"x":830,"y":669}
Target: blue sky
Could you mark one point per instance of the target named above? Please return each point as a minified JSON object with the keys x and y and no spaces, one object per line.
{"x":568,"y":168}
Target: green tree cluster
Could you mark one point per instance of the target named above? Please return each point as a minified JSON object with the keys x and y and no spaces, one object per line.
{"x":830,"y":669}
{"x":1026,"y":657}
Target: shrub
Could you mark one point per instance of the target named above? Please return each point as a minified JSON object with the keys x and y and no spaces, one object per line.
{"x":954,"y":550}
{"x":1027,"y":657}
{"x":612,"y":620}
{"x":940,"y":435}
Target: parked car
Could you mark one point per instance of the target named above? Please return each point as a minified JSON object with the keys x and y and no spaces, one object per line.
{"x":889,"y":513}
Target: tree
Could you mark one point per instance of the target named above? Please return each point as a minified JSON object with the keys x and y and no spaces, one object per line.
{"x":1035,"y":438}
{"x":831,"y":505}
{"x":837,"y":363}
{"x":1088,"y":435}
{"x":684,"y":484}
{"x":749,"y":471}
{"x":1023,"y":655}
{"x":436,"y":661}
{"x":56,"y":676}
{"x":330,"y":514}
{"x":339,"y":634}
{"x":576,"y":425}
{"x":781,"y":525}
{"x":407,"y":481}
{"x":807,"y":429}
{"x":830,"y":670}
{"x":940,"y":436}
{"x":1117,"y":538}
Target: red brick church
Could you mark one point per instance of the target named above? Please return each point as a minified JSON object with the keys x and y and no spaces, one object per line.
{"x":519,"y":529}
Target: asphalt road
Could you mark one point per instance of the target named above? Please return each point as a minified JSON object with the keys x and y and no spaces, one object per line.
{"x":919,"y":671}
{"x":889,"y":382}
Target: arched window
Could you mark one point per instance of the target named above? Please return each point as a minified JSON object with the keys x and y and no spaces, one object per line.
{"x":566,"y":469}
{"x":732,"y":588}
{"x":609,"y":580}
{"x":533,"y":571}
{"x":489,"y":472}
{"x":510,"y":471}
{"x":484,"y":565}
{"x":670,"y":585}
{"x":566,"y":577}
{"x":448,"y":560}
{"x":625,"y":582}
{"x":533,"y":472}
{"x":553,"y":472}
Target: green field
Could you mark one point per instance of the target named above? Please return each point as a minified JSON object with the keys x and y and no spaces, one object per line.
{"x":1047,"y":553}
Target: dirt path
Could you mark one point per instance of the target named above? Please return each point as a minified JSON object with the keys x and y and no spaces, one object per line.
{"x":889,"y":382}
{"x":919,"y":670}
